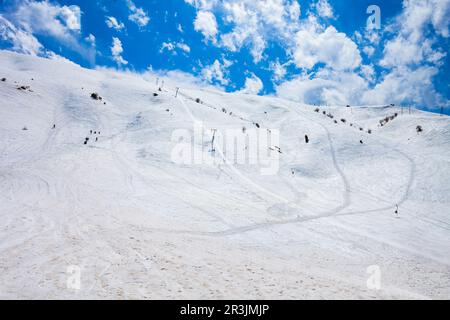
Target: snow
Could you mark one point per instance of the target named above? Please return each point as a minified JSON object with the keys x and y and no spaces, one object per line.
{"x":140,"y":226}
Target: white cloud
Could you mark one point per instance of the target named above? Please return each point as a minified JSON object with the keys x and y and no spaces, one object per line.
{"x":71,"y":15}
{"x":113,"y":23}
{"x":21,"y":40}
{"x":339,"y":75}
{"x":253,"y":85}
{"x":324,"y":9}
{"x":47,"y":18}
{"x":400,"y":51}
{"x":294,"y":11}
{"x":412,"y":45}
{"x":167,"y":46}
{"x":116,"y":51}
{"x":203,"y":4}
{"x":44,"y":18}
{"x":171,"y":47}
{"x":278,"y":69}
{"x":217,"y":72}
{"x":368,"y":72}
{"x":331,"y":47}
{"x":412,"y":57}
{"x":328,"y":86}
{"x":404,"y":85}
{"x":91,"y":39}
{"x":252,"y":23}
{"x":440,"y":18}
{"x":24,"y":42}
{"x":184,"y":47}
{"x":369,"y":50}
{"x":137,"y":15}
{"x":206,"y":23}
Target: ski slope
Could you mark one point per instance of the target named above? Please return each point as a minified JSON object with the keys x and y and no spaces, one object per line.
{"x":140,"y":226}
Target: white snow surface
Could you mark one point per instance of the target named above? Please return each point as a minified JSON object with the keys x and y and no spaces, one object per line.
{"x":140,"y":226}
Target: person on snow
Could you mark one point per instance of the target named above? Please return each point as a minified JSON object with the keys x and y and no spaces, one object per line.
{"x":306,"y":138}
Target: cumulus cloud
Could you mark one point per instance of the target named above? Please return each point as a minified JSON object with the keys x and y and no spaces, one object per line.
{"x":330,"y":47}
{"x":328,"y":87}
{"x":21,"y":40}
{"x":30,"y":19}
{"x":206,"y":23}
{"x":71,"y":15}
{"x":217,"y":72}
{"x":324,"y":9}
{"x":279,"y":70}
{"x":91,"y":39}
{"x":137,"y":15}
{"x":333,"y":72}
{"x":252,"y":23}
{"x":173,"y":46}
{"x":404,"y":85}
{"x":412,"y":45}
{"x":49,"y":19}
{"x":24,"y":42}
{"x":116,"y":52}
{"x":113,"y":23}
{"x":413,"y":56}
{"x":253,"y":85}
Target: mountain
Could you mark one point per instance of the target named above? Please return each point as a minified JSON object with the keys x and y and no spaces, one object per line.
{"x":149,"y":207}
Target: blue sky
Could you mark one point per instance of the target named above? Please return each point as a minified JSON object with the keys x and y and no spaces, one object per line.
{"x":321,"y":51}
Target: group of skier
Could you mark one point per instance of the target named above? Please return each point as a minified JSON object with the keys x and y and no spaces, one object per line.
{"x":91,"y":133}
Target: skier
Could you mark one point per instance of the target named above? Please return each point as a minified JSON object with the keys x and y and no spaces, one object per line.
{"x":360,"y":141}
{"x":396,"y":210}
{"x":306,"y":138}
{"x":96,"y":139}
{"x":54,"y":126}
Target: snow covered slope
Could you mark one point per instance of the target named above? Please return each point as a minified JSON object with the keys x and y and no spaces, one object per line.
{"x":139,"y":225}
